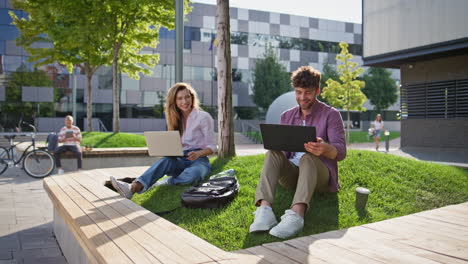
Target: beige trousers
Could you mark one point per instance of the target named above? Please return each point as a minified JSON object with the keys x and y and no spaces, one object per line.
{"x":311,"y":175}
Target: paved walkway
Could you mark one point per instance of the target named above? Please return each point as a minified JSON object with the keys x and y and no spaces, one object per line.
{"x":26,"y":231}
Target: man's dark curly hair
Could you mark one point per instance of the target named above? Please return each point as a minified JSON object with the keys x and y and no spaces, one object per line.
{"x":306,"y":77}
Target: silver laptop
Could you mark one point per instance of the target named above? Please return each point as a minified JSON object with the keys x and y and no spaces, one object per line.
{"x":164,"y":143}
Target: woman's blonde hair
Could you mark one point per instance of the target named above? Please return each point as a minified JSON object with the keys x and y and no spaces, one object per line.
{"x":377,"y":118}
{"x":173,"y":114}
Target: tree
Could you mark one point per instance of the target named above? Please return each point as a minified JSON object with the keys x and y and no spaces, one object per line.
{"x":270,"y":79}
{"x":132,"y":25}
{"x":346,"y":93}
{"x":380,"y":88}
{"x":328,"y":72}
{"x":72,"y":27}
{"x":225,"y":110}
{"x":14,"y":107}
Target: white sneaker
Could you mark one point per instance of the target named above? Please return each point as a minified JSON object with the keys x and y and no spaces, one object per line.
{"x":291,"y":224}
{"x":122,"y":187}
{"x":264,"y":219}
{"x":60,"y":171}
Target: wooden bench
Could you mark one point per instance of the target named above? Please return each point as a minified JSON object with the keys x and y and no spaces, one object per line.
{"x":102,"y":157}
{"x":96,"y":225}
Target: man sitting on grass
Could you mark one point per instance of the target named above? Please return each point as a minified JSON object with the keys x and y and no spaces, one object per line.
{"x":306,"y":172}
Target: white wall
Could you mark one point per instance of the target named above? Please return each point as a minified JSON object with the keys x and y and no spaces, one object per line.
{"x":393,"y":25}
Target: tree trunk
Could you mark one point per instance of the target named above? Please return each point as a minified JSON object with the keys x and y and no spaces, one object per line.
{"x":225,"y":111}
{"x":89,"y":101}
{"x":115,"y":93}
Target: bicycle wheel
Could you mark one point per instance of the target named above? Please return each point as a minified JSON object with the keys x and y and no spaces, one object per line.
{"x":39,"y":163}
{"x":4,"y":155}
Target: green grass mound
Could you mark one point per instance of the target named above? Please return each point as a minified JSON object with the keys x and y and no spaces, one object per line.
{"x":399,"y":186}
{"x":112,"y":140}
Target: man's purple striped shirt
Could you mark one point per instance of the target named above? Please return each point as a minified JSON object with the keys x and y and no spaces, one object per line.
{"x":329,"y":125}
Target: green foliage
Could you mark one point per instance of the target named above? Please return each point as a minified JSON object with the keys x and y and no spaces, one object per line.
{"x":132,"y":25}
{"x":246,"y":112}
{"x":270,"y":79}
{"x":399,"y":186}
{"x":14,"y":106}
{"x":112,"y":140}
{"x":380,"y":88}
{"x":346,"y":93}
{"x":71,"y":26}
{"x":328,"y":72}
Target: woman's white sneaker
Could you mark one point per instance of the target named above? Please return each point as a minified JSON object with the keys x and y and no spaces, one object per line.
{"x":264,"y":219}
{"x":291,"y":224}
{"x":122,"y":187}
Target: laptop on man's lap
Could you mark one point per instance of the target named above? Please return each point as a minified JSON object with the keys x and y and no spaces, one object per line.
{"x":287,"y":137}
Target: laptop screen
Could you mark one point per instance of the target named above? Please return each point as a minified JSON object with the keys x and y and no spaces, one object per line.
{"x":287,"y":137}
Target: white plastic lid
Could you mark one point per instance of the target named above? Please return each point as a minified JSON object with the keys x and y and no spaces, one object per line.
{"x":362,"y":190}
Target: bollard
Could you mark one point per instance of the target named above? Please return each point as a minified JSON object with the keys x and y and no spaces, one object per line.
{"x":387,"y":140}
{"x":361,"y":197}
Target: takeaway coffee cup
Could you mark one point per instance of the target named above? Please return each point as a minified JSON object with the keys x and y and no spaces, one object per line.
{"x":361,"y":197}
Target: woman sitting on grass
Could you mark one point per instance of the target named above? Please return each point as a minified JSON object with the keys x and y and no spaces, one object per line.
{"x":196,"y":128}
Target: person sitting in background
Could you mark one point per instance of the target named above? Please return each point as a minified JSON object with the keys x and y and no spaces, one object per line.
{"x":70,"y":136}
{"x":196,"y":128}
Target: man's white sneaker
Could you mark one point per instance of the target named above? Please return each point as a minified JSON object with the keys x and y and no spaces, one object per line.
{"x":291,"y":224}
{"x":264,"y":219}
{"x":60,"y":171}
{"x":122,"y":187}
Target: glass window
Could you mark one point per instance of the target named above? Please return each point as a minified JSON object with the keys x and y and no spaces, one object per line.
{"x":8,"y":32}
{"x":11,"y":63}
{"x":239,"y":38}
{"x":130,"y":84}
{"x":165,"y":33}
{"x":2,"y":47}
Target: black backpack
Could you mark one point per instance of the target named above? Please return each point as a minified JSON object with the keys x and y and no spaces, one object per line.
{"x":214,"y":193}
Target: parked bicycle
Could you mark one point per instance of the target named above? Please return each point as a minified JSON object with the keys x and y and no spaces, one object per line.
{"x":37,"y":162}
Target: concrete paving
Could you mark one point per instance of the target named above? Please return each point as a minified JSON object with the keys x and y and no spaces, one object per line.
{"x":26,"y":230}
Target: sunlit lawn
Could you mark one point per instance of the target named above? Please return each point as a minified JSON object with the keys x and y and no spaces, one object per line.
{"x":399,"y":186}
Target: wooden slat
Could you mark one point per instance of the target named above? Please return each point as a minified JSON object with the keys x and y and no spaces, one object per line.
{"x":269,"y":255}
{"x":429,"y":241}
{"x":103,"y":249}
{"x":153,"y":246}
{"x":444,"y":217}
{"x":362,"y":246}
{"x":170,"y":243}
{"x":392,"y":241}
{"x":293,"y":253}
{"x":126,"y":244}
{"x":328,"y":252}
{"x":50,"y":184}
{"x":426,"y":225}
